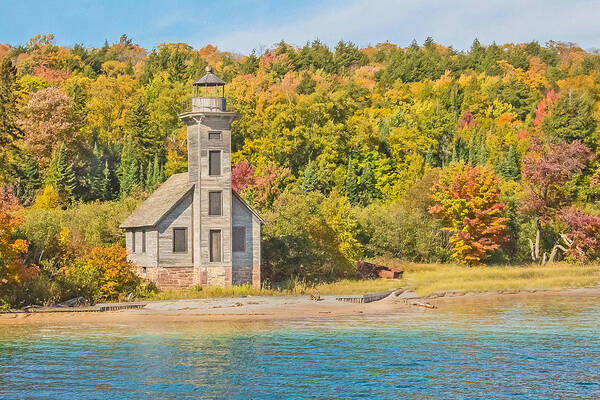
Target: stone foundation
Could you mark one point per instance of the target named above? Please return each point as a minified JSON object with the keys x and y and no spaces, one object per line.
{"x":168,"y":278}
{"x":186,"y":277}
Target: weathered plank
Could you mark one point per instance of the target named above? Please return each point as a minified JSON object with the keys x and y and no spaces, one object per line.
{"x":365,"y":298}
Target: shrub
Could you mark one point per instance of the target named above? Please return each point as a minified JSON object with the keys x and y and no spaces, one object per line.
{"x":398,"y":231}
{"x":102,"y":273}
{"x":96,"y":224}
{"x":14,"y":270}
{"x":299,"y":241}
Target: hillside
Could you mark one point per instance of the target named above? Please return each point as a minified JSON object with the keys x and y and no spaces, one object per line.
{"x":424,"y":153}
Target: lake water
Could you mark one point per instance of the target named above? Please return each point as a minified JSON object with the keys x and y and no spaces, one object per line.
{"x":546,"y":347}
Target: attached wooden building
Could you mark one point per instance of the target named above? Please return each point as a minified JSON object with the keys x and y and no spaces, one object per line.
{"x":194,"y":229}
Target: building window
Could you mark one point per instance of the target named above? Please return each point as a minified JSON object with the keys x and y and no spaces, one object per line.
{"x":179,"y":240}
{"x":214,"y":135}
{"x":239,"y":239}
{"x":144,"y":270}
{"x":143,"y":241}
{"x":214,"y":163}
{"x":215,"y":204}
{"x":133,"y":241}
{"x":215,"y":245}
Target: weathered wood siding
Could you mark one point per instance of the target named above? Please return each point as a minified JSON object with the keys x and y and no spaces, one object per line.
{"x":243,"y":261}
{"x":256,"y":250}
{"x":136,"y":256}
{"x":207,"y":183}
{"x":179,"y":217}
{"x":193,"y":153}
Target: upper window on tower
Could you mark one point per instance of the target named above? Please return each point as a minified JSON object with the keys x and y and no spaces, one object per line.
{"x":214,"y":163}
{"x":214,"y":135}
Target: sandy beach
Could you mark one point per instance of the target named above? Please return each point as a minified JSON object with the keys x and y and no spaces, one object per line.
{"x":276,"y":307}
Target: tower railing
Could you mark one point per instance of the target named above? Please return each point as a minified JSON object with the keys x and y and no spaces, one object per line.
{"x":209,"y":104}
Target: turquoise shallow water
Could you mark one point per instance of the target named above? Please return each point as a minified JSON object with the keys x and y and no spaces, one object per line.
{"x":511,"y":348}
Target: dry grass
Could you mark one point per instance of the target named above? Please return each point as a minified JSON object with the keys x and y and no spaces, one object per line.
{"x":422,"y":278}
{"x":341,"y":287}
{"x":430,"y":278}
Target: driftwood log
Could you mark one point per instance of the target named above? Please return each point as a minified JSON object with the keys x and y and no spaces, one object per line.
{"x":421,"y":304}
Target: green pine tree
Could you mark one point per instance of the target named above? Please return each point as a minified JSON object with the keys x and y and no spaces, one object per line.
{"x":307,"y":84}
{"x":95,"y":178}
{"x":10,"y":131}
{"x":129,"y":176}
{"x":156,"y":171}
{"x":105,"y":187}
{"x":30,"y":182}
{"x":472,"y":154}
{"x":60,"y":175}
{"x":482,"y":154}
{"x":367,"y":185}
{"x":149,"y":176}
{"x":429,"y":157}
{"x":509,"y":168}
{"x":310,"y":181}
{"x":455,"y":152}
{"x":161,"y":174}
{"x":145,"y":136}
{"x":351,"y":184}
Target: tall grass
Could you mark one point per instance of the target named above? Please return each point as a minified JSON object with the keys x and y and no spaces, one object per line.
{"x":430,"y":278}
{"x":422,"y":278}
{"x":285,"y":289}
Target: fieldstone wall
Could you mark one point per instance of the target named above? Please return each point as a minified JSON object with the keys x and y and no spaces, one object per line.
{"x":168,"y":278}
{"x":186,"y":277}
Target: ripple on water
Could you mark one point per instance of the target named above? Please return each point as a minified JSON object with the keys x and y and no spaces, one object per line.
{"x":518,"y":348}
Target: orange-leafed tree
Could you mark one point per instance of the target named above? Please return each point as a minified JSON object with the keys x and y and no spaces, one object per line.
{"x":114,"y":273}
{"x":13,"y":268}
{"x":466,"y":201}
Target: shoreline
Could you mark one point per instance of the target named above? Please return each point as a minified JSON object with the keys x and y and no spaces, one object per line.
{"x":276,"y":307}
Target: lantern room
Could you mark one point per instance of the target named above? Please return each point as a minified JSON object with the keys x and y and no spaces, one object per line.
{"x":209,"y":93}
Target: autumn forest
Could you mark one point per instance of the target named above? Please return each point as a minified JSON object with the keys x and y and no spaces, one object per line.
{"x":421,"y":153}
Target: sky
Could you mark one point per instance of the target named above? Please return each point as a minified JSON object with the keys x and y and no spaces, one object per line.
{"x":243,"y":25}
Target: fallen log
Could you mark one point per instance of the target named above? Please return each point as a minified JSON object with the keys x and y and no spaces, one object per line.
{"x":421,"y":304}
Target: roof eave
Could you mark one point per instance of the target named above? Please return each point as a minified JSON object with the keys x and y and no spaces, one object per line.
{"x":252,"y":210}
{"x":130,"y":226}
{"x":174,"y":205}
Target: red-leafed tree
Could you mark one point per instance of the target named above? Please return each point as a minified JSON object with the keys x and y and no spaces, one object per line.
{"x":466,"y":201}
{"x":467,"y":120}
{"x":547,"y":168}
{"x":242,"y":176}
{"x":582,"y":239}
{"x":47,"y":123}
{"x":543,"y":108}
{"x":270,"y":181}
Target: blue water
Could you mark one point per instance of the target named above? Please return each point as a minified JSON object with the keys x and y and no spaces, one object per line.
{"x":525,"y":349}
